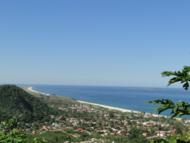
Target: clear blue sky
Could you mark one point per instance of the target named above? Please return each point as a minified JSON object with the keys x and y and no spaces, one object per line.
{"x":93,"y":42}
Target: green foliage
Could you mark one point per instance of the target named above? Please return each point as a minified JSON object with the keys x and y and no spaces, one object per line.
{"x":182,"y":76}
{"x":173,"y":139}
{"x":179,"y":108}
{"x":10,"y":134}
{"x":13,"y":136}
{"x":73,"y":136}
{"x":61,"y":136}
{"x":136,"y":136}
{"x":15,"y":102}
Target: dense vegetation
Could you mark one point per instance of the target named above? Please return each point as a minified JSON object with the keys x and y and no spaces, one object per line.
{"x":17,"y":103}
{"x":10,"y":132}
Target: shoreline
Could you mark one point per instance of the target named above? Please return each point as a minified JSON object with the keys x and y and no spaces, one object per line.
{"x":124,"y":110}
{"x":38,"y":92}
{"x":103,"y":106}
{"x":109,"y":107}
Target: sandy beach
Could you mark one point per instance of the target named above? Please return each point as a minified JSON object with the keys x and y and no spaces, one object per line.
{"x":38,"y":92}
{"x":90,"y":103}
{"x":101,"y":105}
{"x":109,"y":107}
{"x":121,"y":109}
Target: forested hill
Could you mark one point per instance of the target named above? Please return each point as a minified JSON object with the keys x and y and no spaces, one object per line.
{"x":16,"y":102}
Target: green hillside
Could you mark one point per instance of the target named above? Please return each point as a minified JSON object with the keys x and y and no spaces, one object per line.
{"x":16,"y":102}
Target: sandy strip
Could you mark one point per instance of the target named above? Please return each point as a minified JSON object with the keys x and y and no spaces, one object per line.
{"x":38,"y":92}
{"x":109,"y":107}
{"x":89,"y":103}
{"x":101,"y":105}
{"x":121,"y":109}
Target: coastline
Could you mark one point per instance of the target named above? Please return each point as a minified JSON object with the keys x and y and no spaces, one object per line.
{"x":35,"y":91}
{"x":121,"y":109}
{"x":109,"y":107}
{"x":103,"y":106}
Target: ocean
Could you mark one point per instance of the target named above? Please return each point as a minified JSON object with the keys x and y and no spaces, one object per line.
{"x":133,"y":98}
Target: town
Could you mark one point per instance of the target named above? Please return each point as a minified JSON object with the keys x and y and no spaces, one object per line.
{"x":101,"y":123}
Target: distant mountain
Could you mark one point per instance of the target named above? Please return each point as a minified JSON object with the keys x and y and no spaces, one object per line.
{"x":16,"y":102}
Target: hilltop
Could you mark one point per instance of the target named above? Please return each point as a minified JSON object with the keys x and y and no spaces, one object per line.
{"x":16,"y":102}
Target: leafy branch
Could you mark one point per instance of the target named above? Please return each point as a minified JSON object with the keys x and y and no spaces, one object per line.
{"x":182,"y":76}
{"x":179,"y":108}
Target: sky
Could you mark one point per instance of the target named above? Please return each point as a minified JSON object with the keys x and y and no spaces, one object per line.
{"x":93,"y":42}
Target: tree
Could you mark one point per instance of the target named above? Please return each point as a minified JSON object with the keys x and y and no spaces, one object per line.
{"x":10,"y":133}
{"x":179,"y":108}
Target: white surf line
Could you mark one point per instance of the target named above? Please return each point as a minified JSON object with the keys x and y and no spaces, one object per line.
{"x":109,"y":107}
{"x":106,"y":106}
{"x":38,"y":92}
{"x":121,"y":109}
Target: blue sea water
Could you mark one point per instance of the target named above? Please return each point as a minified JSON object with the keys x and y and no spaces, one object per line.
{"x":134,"y":98}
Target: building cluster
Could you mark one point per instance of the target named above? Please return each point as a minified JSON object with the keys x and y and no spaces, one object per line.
{"x":90,"y":119}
